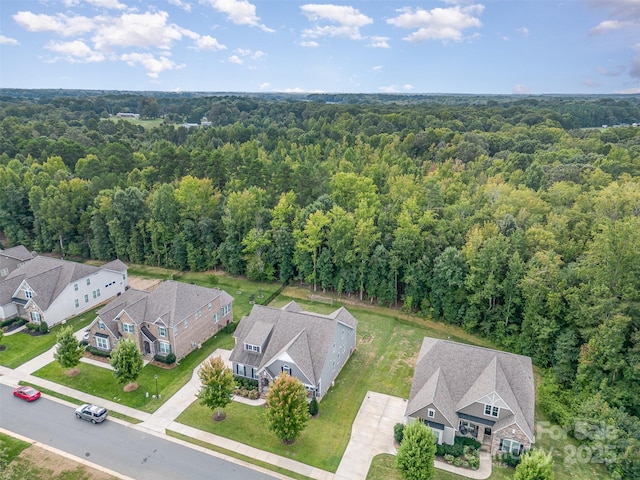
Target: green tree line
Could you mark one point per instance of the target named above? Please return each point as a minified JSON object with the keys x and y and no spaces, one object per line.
{"x":497,"y":216}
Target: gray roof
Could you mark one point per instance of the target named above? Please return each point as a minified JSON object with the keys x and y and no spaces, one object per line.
{"x":304,"y":336}
{"x":8,"y":287}
{"x":170,"y":303}
{"x":19,"y":252}
{"x":452,"y":376}
{"x":48,"y":277}
{"x":115,"y":265}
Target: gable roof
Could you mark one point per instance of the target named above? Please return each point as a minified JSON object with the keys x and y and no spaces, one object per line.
{"x":303,"y":336}
{"x":48,"y":277}
{"x":171,"y":302}
{"x":453,"y":376}
{"x":19,"y":252}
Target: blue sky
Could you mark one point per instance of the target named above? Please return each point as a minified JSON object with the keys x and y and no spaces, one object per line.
{"x":368,"y":46}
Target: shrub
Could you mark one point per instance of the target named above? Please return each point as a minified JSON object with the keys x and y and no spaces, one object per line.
{"x":457,"y":462}
{"x":254,"y":394}
{"x":17,"y":322}
{"x":474,"y":462}
{"x":168,"y":359}
{"x":246,"y":383}
{"x":314,"y":408}
{"x":44,"y":328}
{"x":508,"y":459}
{"x":96,"y":351}
{"x":398,"y":432}
{"x":449,"y":458}
{"x":32,"y":326}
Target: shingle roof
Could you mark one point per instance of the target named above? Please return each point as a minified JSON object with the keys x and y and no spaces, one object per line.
{"x":48,"y":277}
{"x":453,"y":375}
{"x":8,"y":287}
{"x":19,"y":252}
{"x":171,"y":302}
{"x":304,"y":336}
{"x":115,"y":265}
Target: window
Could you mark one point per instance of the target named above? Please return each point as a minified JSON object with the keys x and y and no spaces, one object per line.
{"x":28,"y":293}
{"x":216,"y":317}
{"x":94,"y":294}
{"x":101,"y":325}
{"x":199,"y":313}
{"x":98,"y":291}
{"x":128,"y":328}
{"x":35,"y":317}
{"x":226,"y":309}
{"x":252,"y":348}
{"x":175,"y":331}
{"x":4,"y":272}
{"x":164,"y":347}
{"x":209,"y":306}
{"x":162,"y":331}
{"x":186,"y":323}
{"x":76,"y":302}
{"x":86,"y":298}
{"x":75,"y":287}
{"x":286,"y":368}
{"x":240,"y":369}
{"x":491,"y":410}
{"x":511,"y":446}
{"x":102,"y":343}
{"x":431,"y":413}
{"x":88,"y":281}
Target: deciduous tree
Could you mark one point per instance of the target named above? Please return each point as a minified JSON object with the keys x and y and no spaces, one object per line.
{"x":69,"y":350}
{"x":535,"y":465}
{"x":217,"y":387}
{"x":287,"y":411}
{"x":417,"y":452}
{"x":126,"y":360}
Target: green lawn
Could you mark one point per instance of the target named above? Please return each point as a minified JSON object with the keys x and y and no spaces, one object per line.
{"x":22,"y":347}
{"x":100,"y":381}
{"x":383,"y":362}
{"x":10,"y":448}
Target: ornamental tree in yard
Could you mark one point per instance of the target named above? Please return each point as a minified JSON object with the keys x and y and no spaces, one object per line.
{"x":417,"y":452}
{"x":287,"y":412}
{"x":217,"y":387}
{"x":535,"y":465}
{"x":126,"y":360}
{"x":69,"y":351}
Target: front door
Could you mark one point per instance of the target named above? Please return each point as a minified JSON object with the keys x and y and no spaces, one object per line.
{"x":147,"y":348}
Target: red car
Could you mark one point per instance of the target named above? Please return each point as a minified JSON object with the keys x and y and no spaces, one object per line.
{"x":26,"y":393}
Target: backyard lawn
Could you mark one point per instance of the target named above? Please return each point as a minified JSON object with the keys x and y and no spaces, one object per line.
{"x":100,"y":381}
{"x":22,"y":347}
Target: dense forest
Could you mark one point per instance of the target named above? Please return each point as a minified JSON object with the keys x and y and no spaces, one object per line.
{"x":516,"y":218}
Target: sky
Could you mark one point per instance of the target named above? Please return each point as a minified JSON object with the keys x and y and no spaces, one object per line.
{"x":366,"y":46}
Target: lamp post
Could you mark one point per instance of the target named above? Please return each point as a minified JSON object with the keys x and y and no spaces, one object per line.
{"x":156,"y":377}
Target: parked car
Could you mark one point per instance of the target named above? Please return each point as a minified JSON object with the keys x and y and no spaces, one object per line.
{"x":26,"y":393}
{"x":92,"y":413}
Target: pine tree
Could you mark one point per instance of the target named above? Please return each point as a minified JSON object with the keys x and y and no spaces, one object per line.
{"x":417,"y":452}
{"x":69,"y":349}
{"x":126,"y":359}
{"x":218,"y":385}
{"x":287,"y":411}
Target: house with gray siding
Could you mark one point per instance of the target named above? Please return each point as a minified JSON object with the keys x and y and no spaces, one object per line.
{"x":175,"y":317}
{"x":464,"y":390}
{"x":309,"y":346}
{"x":53,"y":290}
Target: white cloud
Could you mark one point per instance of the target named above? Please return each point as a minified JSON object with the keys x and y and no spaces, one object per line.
{"x":521,"y":89}
{"x":240,"y":12}
{"x":154,"y":66}
{"x":137,"y":30}
{"x":264,"y":86}
{"x":60,"y":24}
{"x":114,"y":4}
{"x":438,"y":23}
{"x":379,"y":42}
{"x":524,"y":31}
{"x":310,"y":44}
{"x":407,"y":87}
{"x":346,"y":21}
{"x":389,"y":89}
{"x":206,"y":42}
{"x":75,"y":51}
{"x":610,"y":26}
{"x":8,"y":41}
{"x":377,"y":68}
{"x":236,"y":59}
{"x":629,"y":91}
{"x":179,"y":3}
{"x":301,"y":90}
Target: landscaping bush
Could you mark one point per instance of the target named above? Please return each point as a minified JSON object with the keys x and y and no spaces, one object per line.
{"x":246,"y":383}
{"x":449,"y":458}
{"x":314,"y":408}
{"x":13,"y":323}
{"x":168,"y":359}
{"x":457,"y":449}
{"x":44,"y":328}
{"x":508,"y":459}
{"x":253,"y":394}
{"x":96,"y":351}
{"x":32,"y":326}
{"x":398,"y":432}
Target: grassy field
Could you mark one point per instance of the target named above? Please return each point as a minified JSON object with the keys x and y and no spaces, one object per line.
{"x":22,"y":347}
{"x":100,"y":381}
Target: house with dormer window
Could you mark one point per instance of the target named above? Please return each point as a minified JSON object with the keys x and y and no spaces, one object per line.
{"x":309,"y":346}
{"x":174,"y":318}
{"x":464,"y":390}
{"x":53,"y":290}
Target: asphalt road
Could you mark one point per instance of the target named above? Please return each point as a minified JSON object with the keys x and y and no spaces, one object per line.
{"x":118,"y":447}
